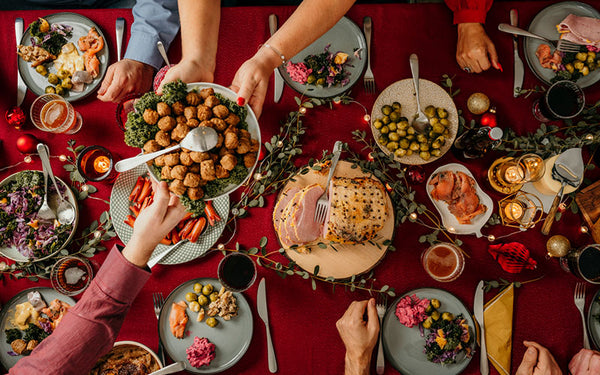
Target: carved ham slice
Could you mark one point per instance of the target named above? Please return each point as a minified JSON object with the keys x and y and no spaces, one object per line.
{"x":580,"y":30}
{"x":302,"y":221}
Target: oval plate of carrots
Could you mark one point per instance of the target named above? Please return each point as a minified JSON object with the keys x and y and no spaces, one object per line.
{"x":132,"y":193}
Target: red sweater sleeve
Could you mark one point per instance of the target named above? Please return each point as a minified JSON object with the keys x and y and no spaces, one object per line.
{"x":90,"y":328}
{"x":469,"y":10}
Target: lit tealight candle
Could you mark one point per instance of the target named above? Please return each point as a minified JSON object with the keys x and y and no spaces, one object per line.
{"x":513,"y":174}
{"x":513,"y":211}
{"x":102,"y":164}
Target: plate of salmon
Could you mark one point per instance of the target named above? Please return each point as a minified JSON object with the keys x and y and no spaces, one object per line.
{"x":463,"y":206}
{"x":179,"y":325}
{"x":63,"y":53}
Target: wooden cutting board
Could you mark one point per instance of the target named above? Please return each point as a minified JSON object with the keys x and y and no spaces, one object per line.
{"x":348,"y":260}
{"x":588,"y":201}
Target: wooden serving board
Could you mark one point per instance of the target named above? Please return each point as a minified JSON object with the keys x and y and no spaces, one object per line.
{"x":348,"y":260}
{"x":588,"y":200}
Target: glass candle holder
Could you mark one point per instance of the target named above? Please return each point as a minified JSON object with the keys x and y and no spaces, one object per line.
{"x":95,"y":163}
{"x":508,"y":174}
{"x":521,"y":210}
{"x":52,"y":113}
{"x":71,"y":275}
{"x":237,"y":272}
{"x":443,"y":261}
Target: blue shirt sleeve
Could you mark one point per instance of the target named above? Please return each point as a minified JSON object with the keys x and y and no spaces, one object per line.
{"x":154,"y":20}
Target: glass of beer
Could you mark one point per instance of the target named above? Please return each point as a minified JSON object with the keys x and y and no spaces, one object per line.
{"x":584,"y":263}
{"x":52,"y":113}
{"x":443,"y":261}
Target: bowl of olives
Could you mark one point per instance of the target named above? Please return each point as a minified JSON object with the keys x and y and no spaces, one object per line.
{"x":392,"y":116}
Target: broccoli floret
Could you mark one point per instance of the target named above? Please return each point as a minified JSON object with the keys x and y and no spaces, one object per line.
{"x":148,"y":100}
{"x":34,"y":332}
{"x":174,"y":92}
{"x":137,"y":131}
{"x":12,"y":335}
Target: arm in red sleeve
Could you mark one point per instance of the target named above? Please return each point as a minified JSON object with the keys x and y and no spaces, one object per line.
{"x":90,"y":328}
{"x":469,"y":10}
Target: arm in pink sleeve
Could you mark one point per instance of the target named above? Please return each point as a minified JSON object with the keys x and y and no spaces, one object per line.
{"x":469,"y":10}
{"x":90,"y":328}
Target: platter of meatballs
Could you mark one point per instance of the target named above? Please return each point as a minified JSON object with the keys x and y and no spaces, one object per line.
{"x":199,"y":175}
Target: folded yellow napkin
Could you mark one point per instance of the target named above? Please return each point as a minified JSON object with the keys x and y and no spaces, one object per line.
{"x":498,"y":317}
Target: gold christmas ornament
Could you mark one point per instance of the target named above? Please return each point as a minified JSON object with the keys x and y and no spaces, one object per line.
{"x":478,"y":103}
{"x":558,"y":246}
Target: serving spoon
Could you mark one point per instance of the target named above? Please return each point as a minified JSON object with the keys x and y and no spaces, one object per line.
{"x":421,"y":120}
{"x":65,"y":211}
{"x":200,"y":139}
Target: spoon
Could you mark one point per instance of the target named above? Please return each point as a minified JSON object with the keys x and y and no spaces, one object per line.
{"x":65,"y":210}
{"x":163,"y":52}
{"x":421,"y":120}
{"x":170,"y":369}
{"x":200,"y":139}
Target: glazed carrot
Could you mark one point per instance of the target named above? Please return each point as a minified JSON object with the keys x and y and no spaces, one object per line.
{"x":187,"y":228}
{"x":175,"y":236}
{"x":130,"y":220}
{"x":146,"y":202}
{"x":136,"y":210}
{"x":187,"y":216}
{"x":211,"y":213}
{"x":136,"y":189}
{"x":198,"y":228}
{"x":146,"y":190}
{"x":165,"y":241}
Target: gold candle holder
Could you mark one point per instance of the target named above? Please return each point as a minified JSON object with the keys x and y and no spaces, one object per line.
{"x":521,"y":210}
{"x":508,"y":174}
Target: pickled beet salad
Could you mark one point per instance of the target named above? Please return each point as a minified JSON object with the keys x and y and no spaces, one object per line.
{"x":325,"y":69}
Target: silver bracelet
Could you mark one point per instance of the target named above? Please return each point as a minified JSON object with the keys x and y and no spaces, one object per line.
{"x":281,"y":55}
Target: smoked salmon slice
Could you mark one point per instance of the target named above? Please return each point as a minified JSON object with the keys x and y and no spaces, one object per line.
{"x":178,"y":319}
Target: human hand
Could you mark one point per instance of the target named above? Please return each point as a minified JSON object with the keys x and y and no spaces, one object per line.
{"x":474,"y":47}
{"x":537,"y":360}
{"x":187,"y":71}
{"x":586,"y":362}
{"x":359,"y":336}
{"x":153,"y":224}
{"x":123,"y":78}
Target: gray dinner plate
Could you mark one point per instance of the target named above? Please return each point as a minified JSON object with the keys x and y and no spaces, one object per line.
{"x":404,"y":346}
{"x":81,"y":25}
{"x":231,"y":338}
{"x":593,"y":322}
{"x":544,"y":24}
{"x":8,"y":313}
{"x":119,"y":209}
{"x":345,"y":36}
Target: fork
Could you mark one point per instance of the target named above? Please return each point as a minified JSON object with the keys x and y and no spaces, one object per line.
{"x":159,"y":301}
{"x":561,"y":44}
{"x":369,"y":78}
{"x":579,"y":298}
{"x":323,"y":202}
{"x":381,"y":307}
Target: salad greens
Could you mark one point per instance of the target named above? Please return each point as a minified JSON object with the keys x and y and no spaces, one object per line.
{"x":49,"y":37}
{"x":446,"y":339}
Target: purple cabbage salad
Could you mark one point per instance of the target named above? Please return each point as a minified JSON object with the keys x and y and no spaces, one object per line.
{"x":447,"y":339}
{"x":20,"y":226}
{"x":325,"y":69}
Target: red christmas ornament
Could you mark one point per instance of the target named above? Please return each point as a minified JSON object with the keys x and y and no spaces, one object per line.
{"x":15,"y":117}
{"x":489,"y":119}
{"x":513,"y":257}
{"x":160,"y":75}
{"x":416,"y":174}
{"x":261,"y":153}
{"x":27,"y":144}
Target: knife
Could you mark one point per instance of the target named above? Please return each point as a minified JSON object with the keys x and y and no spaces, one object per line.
{"x":277,"y":74}
{"x":21,"y":88}
{"x":261,"y":305}
{"x":119,"y":28}
{"x":519,"y":70}
{"x":478,"y":310}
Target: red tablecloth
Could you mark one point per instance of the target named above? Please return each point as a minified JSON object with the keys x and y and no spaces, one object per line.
{"x":303,"y":320}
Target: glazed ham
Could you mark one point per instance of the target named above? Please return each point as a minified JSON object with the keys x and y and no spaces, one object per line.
{"x":458,"y":190}
{"x":294,"y":215}
{"x":580,"y":30}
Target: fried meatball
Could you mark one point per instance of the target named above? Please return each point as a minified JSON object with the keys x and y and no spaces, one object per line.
{"x":179,"y":132}
{"x":220,"y":140}
{"x":254,"y":145}
{"x":195,"y":168}
{"x":218,"y":124}
{"x":163,"y":109}
{"x":211,"y":101}
{"x":221,"y":172}
{"x":179,"y":171}
{"x":190,"y":112}
{"x":192,"y":98}
{"x":204,"y":113}
{"x":207,"y":123}
{"x":151,"y":146}
{"x":159,"y":161}
{"x":192,"y":123}
{"x":232,"y":119}
{"x":195,"y":193}
{"x":249,"y":159}
{"x":177,"y":187}
{"x":224,"y":151}
{"x":231,"y":140}
{"x":228,"y":161}
{"x":150,"y":116}
{"x":186,"y":159}
{"x":191,"y":180}
{"x":178,"y":108}
{"x":207,"y":170}
{"x":199,"y":157}
{"x":181,"y":120}
{"x":167,"y":123}
{"x":165,"y":173}
{"x":220,"y":111}
{"x":243,"y":133}
{"x":163,"y":138}
{"x":205,"y":93}
{"x":172,"y":159}
{"x":243,"y":147}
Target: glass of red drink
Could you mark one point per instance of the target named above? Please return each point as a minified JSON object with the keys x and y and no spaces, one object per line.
{"x":584,"y":263}
{"x":237,"y":272}
{"x":52,"y":113}
{"x":443,"y":261}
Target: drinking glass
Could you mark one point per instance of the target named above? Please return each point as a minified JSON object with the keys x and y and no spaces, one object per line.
{"x":52,"y":113}
{"x":584,"y":263}
{"x":95,"y":163}
{"x":443,"y":261}
{"x":563,"y":100}
{"x":237,"y":272}
{"x":71,"y":275}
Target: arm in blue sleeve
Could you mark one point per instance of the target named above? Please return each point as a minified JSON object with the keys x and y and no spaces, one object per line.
{"x":154,"y":20}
